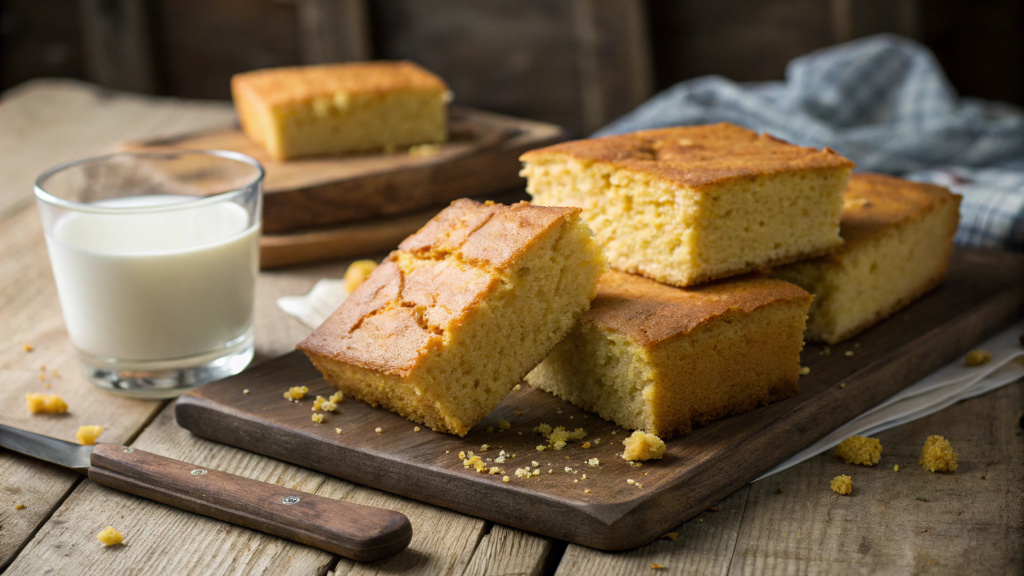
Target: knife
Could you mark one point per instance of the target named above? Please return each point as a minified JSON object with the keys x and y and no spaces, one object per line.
{"x":352,"y":530}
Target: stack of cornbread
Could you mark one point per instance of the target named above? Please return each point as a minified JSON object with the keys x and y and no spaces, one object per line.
{"x":661,"y":347}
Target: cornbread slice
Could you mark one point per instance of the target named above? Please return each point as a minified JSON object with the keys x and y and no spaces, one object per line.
{"x":689,"y":204}
{"x":899,"y":236}
{"x":450,"y":322}
{"x":657,"y":358}
{"x":336,"y":108}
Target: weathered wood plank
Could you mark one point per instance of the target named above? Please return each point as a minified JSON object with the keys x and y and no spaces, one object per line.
{"x":505,"y":550}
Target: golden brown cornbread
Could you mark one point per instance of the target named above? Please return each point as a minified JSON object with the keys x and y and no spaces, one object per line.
{"x":450,"y":322}
{"x":688,"y":204}
{"x":657,"y":358}
{"x":899,"y":237}
{"x":337,"y":108}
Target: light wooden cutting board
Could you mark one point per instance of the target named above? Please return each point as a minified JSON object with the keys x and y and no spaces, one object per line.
{"x":983,"y":293}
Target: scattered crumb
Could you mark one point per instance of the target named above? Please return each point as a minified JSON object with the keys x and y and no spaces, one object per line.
{"x":318,"y":418}
{"x":896,"y":468}
{"x":504,"y":425}
{"x":485,"y":447}
{"x":246,"y":391}
{"x":357,"y":272}
{"x":45,"y":404}
{"x":504,"y":478}
{"x":378,"y":429}
{"x":643,"y":446}
{"x":848,"y":353}
{"x":318,"y":402}
{"x":523,"y":473}
{"x":594,"y":462}
{"x":87,"y":435}
{"x":337,"y":430}
{"x":337,"y":398}
{"x":541,"y":448}
{"x":296,"y":393}
{"x":587,"y":491}
{"x":534,"y":463}
{"x":415,"y":428}
{"x":476,"y":462}
{"x":977,"y":357}
{"x":28,"y":347}
{"x":657,"y":566}
{"x":842,"y":384}
{"x":842,"y":484}
{"x":805,"y":370}
{"x":20,"y":506}
{"x":586,"y":445}
{"x":558,"y":437}
{"x":462,"y":455}
{"x":860,"y":450}
{"x":110,"y":537}
{"x":938,"y":455}
{"x":517,"y":388}
{"x":54,"y":373}
{"x":494,"y":470}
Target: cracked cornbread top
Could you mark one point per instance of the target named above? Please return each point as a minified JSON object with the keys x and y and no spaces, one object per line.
{"x":275,"y":86}
{"x":874,"y":202}
{"x":650,"y":313}
{"x":695,"y":156}
{"x":430,"y":285}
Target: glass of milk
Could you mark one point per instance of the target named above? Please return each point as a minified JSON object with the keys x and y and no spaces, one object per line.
{"x":155,"y":256}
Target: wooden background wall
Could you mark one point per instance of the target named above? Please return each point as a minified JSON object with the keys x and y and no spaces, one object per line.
{"x":578,"y":63}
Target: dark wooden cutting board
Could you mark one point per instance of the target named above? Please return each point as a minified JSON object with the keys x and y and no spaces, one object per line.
{"x":983,"y":293}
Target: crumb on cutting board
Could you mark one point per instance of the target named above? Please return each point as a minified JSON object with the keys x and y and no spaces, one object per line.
{"x":110,"y":536}
{"x":45,"y":404}
{"x":643,"y":446}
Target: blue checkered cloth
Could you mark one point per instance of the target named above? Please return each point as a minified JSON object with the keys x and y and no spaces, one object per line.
{"x":885,"y":103}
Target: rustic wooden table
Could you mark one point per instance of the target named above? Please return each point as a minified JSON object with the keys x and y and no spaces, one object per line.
{"x":971,"y":522}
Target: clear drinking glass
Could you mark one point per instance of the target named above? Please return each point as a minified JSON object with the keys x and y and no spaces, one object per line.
{"x":155,"y":256}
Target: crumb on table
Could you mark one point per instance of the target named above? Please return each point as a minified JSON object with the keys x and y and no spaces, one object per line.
{"x":938,"y":455}
{"x":977,"y":357}
{"x":45,"y":404}
{"x":87,"y":435}
{"x":842,"y":484}
{"x":318,"y":418}
{"x":110,"y":536}
{"x":860,"y":450}
{"x":296,"y":393}
{"x":643,"y":446}
{"x":19,"y":506}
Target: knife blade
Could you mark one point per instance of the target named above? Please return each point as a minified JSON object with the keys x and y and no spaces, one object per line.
{"x":352,"y":530}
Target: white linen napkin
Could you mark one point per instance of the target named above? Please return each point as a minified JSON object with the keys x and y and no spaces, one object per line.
{"x":940,"y":389}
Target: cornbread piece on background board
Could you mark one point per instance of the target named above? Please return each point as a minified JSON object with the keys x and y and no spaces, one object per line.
{"x":338,"y":108}
{"x":657,"y":358}
{"x":899,"y":237}
{"x":689,"y":204}
{"x":450,"y":322}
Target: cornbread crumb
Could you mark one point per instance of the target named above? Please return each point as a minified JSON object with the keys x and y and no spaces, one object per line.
{"x":517,"y":388}
{"x":938,"y":455}
{"x":657,"y":566}
{"x":842,"y":384}
{"x":357,"y":272}
{"x":842,"y":484}
{"x":523,"y":473}
{"x":87,"y":435}
{"x":860,"y":450}
{"x":541,"y":448}
{"x":630,"y":481}
{"x":337,"y":397}
{"x":296,"y":393}
{"x":805,"y":370}
{"x":504,"y":478}
{"x":534,"y":464}
{"x":494,"y":470}
{"x":318,"y":418}
{"x":476,"y":462}
{"x":896,"y":468}
{"x":415,"y":428}
{"x":558,"y":437}
{"x":542,"y":428}
{"x":587,"y":491}
{"x":504,"y":425}
{"x":246,"y":391}
{"x":328,"y":406}
{"x":462,"y":455}
{"x":484,"y":447}
{"x":977,"y":357}
{"x":848,"y":353}
{"x":586,"y":445}
{"x":670,"y":536}
{"x":378,"y":429}
{"x":28,"y":347}
{"x":20,"y":506}
{"x":318,"y":402}
{"x":337,"y":430}
{"x":594,"y":462}
{"x":643,"y":446}
{"x":110,"y":537}
{"x":45,"y":404}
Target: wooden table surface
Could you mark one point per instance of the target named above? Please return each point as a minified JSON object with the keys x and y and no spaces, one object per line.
{"x":904,"y":522}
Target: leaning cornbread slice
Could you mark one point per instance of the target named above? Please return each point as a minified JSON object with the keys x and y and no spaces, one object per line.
{"x":689,"y":204}
{"x":658,"y":358}
{"x":337,"y":108}
{"x":444,"y":328}
{"x":899,"y":236}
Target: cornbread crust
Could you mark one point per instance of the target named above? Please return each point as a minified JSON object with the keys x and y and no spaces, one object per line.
{"x":657,"y":358}
{"x":509,"y":280}
{"x":336,"y":108}
{"x":881,"y":216}
{"x":689,"y":204}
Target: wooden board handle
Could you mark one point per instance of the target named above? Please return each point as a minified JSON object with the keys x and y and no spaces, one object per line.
{"x":355,"y":531}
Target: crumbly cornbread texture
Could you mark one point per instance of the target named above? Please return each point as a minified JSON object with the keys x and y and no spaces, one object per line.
{"x":842,"y":484}
{"x":689,"y":204}
{"x":938,"y":455}
{"x":87,"y":435}
{"x":657,"y":358}
{"x":110,"y":536}
{"x":899,"y":237}
{"x":450,"y":322}
{"x":45,"y":404}
{"x":642,"y":445}
{"x":336,"y":108}
{"x":860,"y":450}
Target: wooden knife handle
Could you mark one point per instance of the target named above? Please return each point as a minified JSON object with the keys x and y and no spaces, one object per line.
{"x":355,"y":531}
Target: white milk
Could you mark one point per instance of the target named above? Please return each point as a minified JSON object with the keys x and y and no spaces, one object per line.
{"x":156,"y":286}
